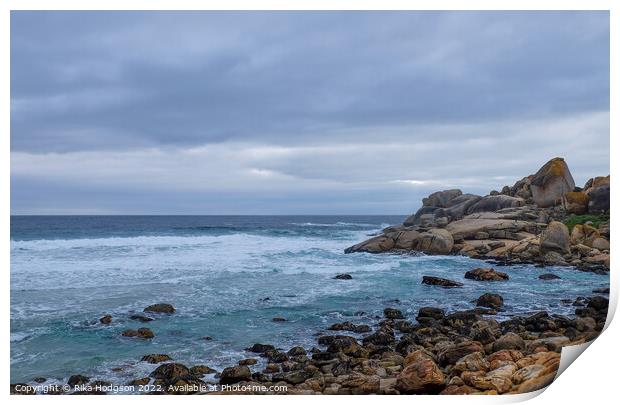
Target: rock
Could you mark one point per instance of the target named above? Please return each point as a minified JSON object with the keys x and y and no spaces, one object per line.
{"x":601,"y":290}
{"x":492,"y":223}
{"x":349,"y":326}
{"x":272,"y":368}
{"x":377,"y":244}
{"x":404,"y":239}
{"x":551,"y":183}
{"x":509,"y":341}
{"x":598,"y":195}
{"x":392,"y":313}
{"x":139,"y":381}
{"x":490,"y":301}
{"x":260,"y":348}
{"x":141,"y":318}
{"x":498,"y":380}
{"x":453,"y":352}
{"x":549,"y":276}
{"x":472,"y":362}
{"x":160,"y":308}
{"x":492,"y":203}
{"x":486,"y":274}
{"x":343,"y":277}
{"x":425,"y":313}
{"x":39,"y":380}
{"x":295,"y":377}
{"x":247,"y":362}
{"x":155,"y":358}
{"x":296,"y":351}
{"x":442,"y":282}
{"x":279,"y":319}
{"x":201,"y":370}
{"x":170,"y":371}
{"x":142,"y":333}
{"x":555,"y":238}
{"x":106,"y":319}
{"x":434,"y":241}
{"x":77,"y":379}
{"x":598,"y":303}
{"x":441,"y":199}
{"x":235,"y":374}
{"x":600,"y":244}
{"x":421,"y":376}
{"x":576,"y":202}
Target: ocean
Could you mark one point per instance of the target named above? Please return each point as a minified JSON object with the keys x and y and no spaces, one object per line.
{"x":227,"y":277}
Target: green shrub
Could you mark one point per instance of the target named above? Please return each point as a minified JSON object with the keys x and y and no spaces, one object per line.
{"x":573,"y":220}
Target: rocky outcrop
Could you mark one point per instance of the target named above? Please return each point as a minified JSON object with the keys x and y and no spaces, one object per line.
{"x":522,"y":223}
{"x":488,"y":274}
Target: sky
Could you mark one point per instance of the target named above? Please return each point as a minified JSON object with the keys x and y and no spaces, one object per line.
{"x":298,"y":112}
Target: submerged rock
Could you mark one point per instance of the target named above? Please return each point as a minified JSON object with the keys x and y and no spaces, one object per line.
{"x":549,"y":276}
{"x":393,"y":313}
{"x":143,"y":333}
{"x":343,"y":277}
{"x":155,"y":358}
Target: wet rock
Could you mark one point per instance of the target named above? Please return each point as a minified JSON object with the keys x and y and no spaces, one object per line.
{"x":598,"y":303}
{"x":426,"y":313}
{"x":106,"y":319}
{"x":392,"y":313}
{"x":601,"y":290}
{"x":296,"y":351}
{"x":139,"y":381}
{"x":421,"y":376}
{"x":141,"y":318}
{"x":343,"y":276}
{"x":549,"y":276}
{"x":295,"y":377}
{"x":142,"y":333}
{"x":77,"y":379}
{"x":279,"y":319}
{"x":271,"y":368}
{"x":490,"y":300}
{"x":161,"y":308}
{"x":442,"y":282}
{"x":232,"y":375}
{"x":486,"y":274}
{"x":39,"y":380}
{"x":349,"y":326}
{"x":247,"y":362}
{"x":201,"y":370}
{"x":155,"y":358}
{"x":170,"y":371}
{"x":260,"y":348}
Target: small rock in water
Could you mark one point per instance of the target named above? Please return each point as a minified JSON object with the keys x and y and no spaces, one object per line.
{"x":393,"y":313}
{"x":481,"y":274}
{"x":155,"y":358}
{"x":296,"y":351}
{"x":206,"y":338}
{"x":260,"y":348}
{"x":143,"y":333}
{"x":490,"y":301}
{"x":247,"y":362}
{"x":141,"y":318}
{"x":441,"y":282}
{"x":160,"y":308}
{"x":40,"y":379}
{"x":279,"y":319}
{"x":601,"y":290}
{"x":343,"y":277}
{"x":170,"y":371}
{"x":350,"y":326}
{"x":427,"y":313}
{"x":106,"y":319}
{"x":549,"y":276}
{"x":139,"y":381}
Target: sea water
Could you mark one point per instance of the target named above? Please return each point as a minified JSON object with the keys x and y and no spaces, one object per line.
{"x":227,"y":277}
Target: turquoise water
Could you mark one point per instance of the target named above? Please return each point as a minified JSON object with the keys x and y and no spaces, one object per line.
{"x":66,"y":272}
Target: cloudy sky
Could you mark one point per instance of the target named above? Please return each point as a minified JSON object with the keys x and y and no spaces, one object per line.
{"x":290,"y":113}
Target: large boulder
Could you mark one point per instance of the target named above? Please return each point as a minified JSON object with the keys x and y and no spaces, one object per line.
{"x":555,"y":238}
{"x":432,"y":207}
{"x":235,"y":374}
{"x":576,"y":202}
{"x":551,"y":183}
{"x":377,"y":244}
{"x":492,"y":203}
{"x":420,"y":376}
{"x":598,"y":199}
{"x":471,"y":225}
{"x":441,"y":199}
{"x":486,"y":274}
{"x":434,"y":241}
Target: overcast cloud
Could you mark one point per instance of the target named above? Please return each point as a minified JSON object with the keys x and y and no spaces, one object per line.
{"x":310,"y":112}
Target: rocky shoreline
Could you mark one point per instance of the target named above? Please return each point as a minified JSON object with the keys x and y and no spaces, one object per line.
{"x":542,"y":219}
{"x":464,"y":352}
